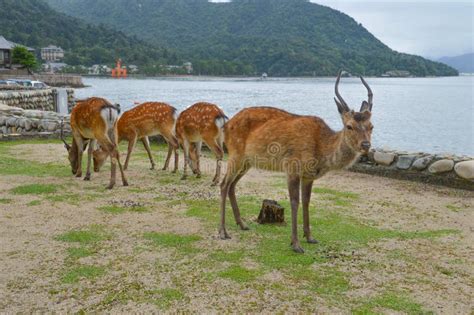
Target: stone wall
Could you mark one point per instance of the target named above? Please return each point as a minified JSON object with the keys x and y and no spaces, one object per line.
{"x":28,"y":98}
{"x":15,"y":120}
{"x":444,"y":169}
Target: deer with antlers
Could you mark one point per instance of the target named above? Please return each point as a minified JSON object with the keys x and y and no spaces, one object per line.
{"x":202,"y":122}
{"x":145,"y":120}
{"x":93,"y":120}
{"x":304,"y":147}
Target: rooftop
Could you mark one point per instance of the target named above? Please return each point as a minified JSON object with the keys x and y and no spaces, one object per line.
{"x":6,"y":44}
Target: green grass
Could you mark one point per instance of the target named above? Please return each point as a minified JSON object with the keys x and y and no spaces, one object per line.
{"x":390,"y":301}
{"x":5,"y":200}
{"x":11,"y":165}
{"x":168,"y":296}
{"x":34,"y":203}
{"x":239,"y":274}
{"x":454,"y":208}
{"x":35,"y":189}
{"x":83,"y":237}
{"x":79,"y":252}
{"x":118,"y":209}
{"x":339,"y":236}
{"x":82,"y":272}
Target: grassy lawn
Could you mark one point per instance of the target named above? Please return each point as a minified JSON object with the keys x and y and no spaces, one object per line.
{"x":153,"y":246}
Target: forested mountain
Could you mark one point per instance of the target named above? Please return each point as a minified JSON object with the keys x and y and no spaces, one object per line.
{"x":463,"y":63}
{"x":281,"y":37}
{"x":35,"y":24}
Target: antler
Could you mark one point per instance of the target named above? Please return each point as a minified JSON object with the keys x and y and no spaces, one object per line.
{"x":371,"y":95}
{"x":66,"y":145}
{"x":341,"y":104}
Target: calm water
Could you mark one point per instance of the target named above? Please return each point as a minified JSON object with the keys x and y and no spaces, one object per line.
{"x":433,"y":115}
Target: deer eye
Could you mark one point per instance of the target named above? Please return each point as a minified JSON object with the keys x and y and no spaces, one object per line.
{"x":349,"y":127}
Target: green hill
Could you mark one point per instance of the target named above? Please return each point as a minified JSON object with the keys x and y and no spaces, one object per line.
{"x":281,"y":37}
{"x":35,"y":24}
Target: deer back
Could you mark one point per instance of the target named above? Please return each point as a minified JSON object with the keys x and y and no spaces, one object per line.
{"x":147,"y":119}
{"x":200,"y":120}
{"x":274,"y":139}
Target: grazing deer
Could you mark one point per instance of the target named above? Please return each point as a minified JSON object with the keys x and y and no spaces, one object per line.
{"x":201,"y":122}
{"x":92,"y":120}
{"x":147,"y":119}
{"x":304,"y":147}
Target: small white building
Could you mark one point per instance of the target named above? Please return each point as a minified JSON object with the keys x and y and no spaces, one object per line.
{"x":52,"y":53}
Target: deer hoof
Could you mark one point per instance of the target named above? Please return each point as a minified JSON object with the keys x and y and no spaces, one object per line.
{"x":297,"y":248}
{"x":223,"y":235}
{"x":125,"y":183}
{"x":110,"y":186}
{"x":152,"y":168}
{"x":184,"y":177}
{"x":87,"y":178}
{"x":173,"y":172}
{"x":243,"y":226}
{"x":312,"y":241}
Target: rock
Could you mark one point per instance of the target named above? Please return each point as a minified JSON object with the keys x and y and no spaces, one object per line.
{"x":465,"y":169}
{"x":28,"y":125}
{"x":422,"y":163}
{"x":441,"y":166}
{"x":383,"y":158}
{"x":11,"y":122}
{"x":404,"y":161}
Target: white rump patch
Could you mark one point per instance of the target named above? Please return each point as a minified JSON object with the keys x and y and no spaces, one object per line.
{"x":220,"y":122}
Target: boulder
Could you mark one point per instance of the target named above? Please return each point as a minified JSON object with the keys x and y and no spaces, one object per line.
{"x":383,"y":158}
{"x":11,"y":122}
{"x":422,"y":163}
{"x":465,"y":169}
{"x":404,"y":161}
{"x":441,"y":166}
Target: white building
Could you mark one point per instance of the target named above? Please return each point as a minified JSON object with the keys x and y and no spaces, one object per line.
{"x":52,"y":53}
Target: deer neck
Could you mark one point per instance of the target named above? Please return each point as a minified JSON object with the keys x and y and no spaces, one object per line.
{"x":342,"y":155}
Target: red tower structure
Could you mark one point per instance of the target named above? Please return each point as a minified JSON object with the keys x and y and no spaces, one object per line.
{"x":118,"y":71}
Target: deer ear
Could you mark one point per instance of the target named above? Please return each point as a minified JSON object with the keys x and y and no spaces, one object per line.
{"x":364,"y":107}
{"x":340,"y":108}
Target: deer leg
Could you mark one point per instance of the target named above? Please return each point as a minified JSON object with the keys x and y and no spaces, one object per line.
{"x":176,"y":157}
{"x":168,"y":156}
{"x":89,"y":159}
{"x":197,"y":158}
{"x":219,"y":153}
{"x":186,"y":158}
{"x":122,"y":173}
{"x":233,"y":200}
{"x":131,"y":145}
{"x":80,"y":151}
{"x":294,"y":192}
{"x":306,"y":187}
{"x":146,"y":144}
{"x":225,"y":186}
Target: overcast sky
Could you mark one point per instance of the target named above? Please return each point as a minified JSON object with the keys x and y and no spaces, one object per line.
{"x":430,"y":28}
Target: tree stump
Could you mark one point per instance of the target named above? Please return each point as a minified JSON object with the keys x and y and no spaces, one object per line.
{"x":271,"y":212}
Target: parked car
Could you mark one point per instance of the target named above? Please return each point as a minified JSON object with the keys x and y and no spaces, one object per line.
{"x":8,"y":82}
{"x":24,"y":82}
{"x":39,"y":85}
{"x":31,"y":83}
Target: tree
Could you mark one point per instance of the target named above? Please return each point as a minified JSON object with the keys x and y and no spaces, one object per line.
{"x":21,"y":55}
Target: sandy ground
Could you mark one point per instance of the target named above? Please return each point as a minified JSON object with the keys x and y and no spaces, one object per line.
{"x":438,"y":273}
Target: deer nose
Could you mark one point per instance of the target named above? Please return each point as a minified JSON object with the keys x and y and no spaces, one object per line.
{"x":365,"y":145}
